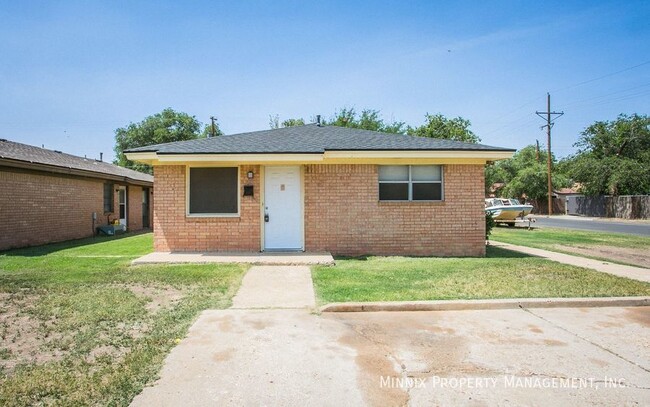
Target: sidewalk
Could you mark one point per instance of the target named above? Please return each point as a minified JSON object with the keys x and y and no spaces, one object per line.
{"x":276,"y":287}
{"x":636,"y":273}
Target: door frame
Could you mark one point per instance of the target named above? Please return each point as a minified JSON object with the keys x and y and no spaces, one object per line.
{"x":146,"y":215}
{"x":263,"y":205}
{"x":126,"y":204}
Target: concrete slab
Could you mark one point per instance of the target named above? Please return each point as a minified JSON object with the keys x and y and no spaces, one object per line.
{"x":261,"y":358}
{"x":268,"y":258}
{"x":554,"y":356}
{"x":276,"y":287}
{"x":495,"y":357}
{"x":635,"y":273}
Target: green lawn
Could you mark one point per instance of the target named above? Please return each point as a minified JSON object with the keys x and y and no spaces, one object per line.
{"x":78,"y":326}
{"x":614,"y":247}
{"x":503,"y":274}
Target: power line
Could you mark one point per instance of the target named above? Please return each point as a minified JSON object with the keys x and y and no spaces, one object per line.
{"x":603,"y":76}
{"x":515,"y":122}
{"x":581,"y":101}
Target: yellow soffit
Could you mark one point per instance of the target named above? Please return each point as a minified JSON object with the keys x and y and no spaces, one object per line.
{"x":329,"y":157}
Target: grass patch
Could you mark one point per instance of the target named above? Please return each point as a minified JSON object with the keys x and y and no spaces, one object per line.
{"x":503,"y":274}
{"x":614,"y":247}
{"x":548,"y":237}
{"x":80,"y":326}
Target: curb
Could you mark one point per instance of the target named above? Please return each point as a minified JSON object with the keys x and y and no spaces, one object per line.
{"x":461,"y":305}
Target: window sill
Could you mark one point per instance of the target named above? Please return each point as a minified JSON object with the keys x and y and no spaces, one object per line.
{"x":411,"y":202}
{"x":212,"y":215}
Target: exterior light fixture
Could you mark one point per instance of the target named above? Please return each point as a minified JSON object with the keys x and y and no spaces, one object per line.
{"x":250,"y":174}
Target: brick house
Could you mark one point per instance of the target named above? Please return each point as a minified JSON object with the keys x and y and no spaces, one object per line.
{"x":320,"y":188}
{"x":48,"y":196}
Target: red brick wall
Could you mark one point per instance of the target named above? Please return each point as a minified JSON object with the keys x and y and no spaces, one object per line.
{"x":174,"y":231}
{"x":343,"y":214}
{"x":38,"y":207}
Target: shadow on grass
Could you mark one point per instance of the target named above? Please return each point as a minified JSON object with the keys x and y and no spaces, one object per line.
{"x":494,"y":252}
{"x":46,"y":249}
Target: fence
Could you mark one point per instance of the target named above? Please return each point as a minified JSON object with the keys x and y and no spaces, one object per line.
{"x":540,"y":206}
{"x":624,"y":207}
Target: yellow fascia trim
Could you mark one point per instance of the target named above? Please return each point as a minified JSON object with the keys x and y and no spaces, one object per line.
{"x":146,"y":158}
{"x":329,"y":157}
{"x":453,"y":155}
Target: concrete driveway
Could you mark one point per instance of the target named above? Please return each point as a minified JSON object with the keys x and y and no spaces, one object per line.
{"x":561,"y":356}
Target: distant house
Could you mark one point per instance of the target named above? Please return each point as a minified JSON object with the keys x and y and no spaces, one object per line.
{"x":49,"y":196}
{"x":568,"y":196}
{"x":320,"y":188}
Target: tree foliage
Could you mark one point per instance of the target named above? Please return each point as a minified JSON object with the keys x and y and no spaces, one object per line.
{"x":439,"y":126}
{"x":163,"y":127}
{"x":207,"y":130}
{"x":613,"y":157}
{"x":524,"y":174}
{"x":368,"y":119}
{"x":274,"y":122}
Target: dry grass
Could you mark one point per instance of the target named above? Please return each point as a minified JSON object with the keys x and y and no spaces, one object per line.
{"x":78,"y":326}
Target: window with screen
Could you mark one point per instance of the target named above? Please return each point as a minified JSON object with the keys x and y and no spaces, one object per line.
{"x":410,"y":183}
{"x":213,"y":191}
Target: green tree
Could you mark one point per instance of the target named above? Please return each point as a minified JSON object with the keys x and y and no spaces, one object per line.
{"x":532,"y":182}
{"x":525,"y":174}
{"x":368,"y":119}
{"x":207,"y":130}
{"x":293,"y":122}
{"x":438,"y":126}
{"x":613,"y":157}
{"x":274,"y":122}
{"x":163,"y":127}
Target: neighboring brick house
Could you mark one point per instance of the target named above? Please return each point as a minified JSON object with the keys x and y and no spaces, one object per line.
{"x":48,"y":196}
{"x":320,"y":188}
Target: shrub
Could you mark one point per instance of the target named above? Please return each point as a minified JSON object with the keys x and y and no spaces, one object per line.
{"x":489,"y":224}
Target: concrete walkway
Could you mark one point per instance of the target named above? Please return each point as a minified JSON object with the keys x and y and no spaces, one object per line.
{"x":276,"y":287}
{"x":269,"y":258}
{"x":636,"y":273}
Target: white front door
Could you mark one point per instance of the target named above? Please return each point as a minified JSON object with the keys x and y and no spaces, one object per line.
{"x":121,"y":201}
{"x":282,"y":208}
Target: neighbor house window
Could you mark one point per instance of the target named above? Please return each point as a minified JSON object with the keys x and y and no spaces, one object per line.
{"x":410,"y":183}
{"x":108,"y":197}
{"x":213,"y":191}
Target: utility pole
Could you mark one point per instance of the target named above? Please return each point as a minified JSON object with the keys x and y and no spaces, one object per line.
{"x":550,"y":116}
{"x":213,"y":131}
{"x":537,"y":150}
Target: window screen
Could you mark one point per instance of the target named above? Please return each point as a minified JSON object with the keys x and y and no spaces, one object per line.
{"x":108,"y":197}
{"x":410,"y":183}
{"x":213,"y":190}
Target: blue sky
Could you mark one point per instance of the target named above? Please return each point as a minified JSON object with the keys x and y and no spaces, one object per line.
{"x":73,"y":72}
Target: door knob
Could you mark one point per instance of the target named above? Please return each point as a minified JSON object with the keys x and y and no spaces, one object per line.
{"x":266,"y":217}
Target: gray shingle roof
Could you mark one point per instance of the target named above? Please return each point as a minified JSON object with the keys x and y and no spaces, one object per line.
{"x":10,"y":150}
{"x":310,"y":138}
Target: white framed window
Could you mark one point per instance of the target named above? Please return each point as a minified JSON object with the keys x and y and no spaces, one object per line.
{"x":411,"y":183}
{"x":213,"y":191}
